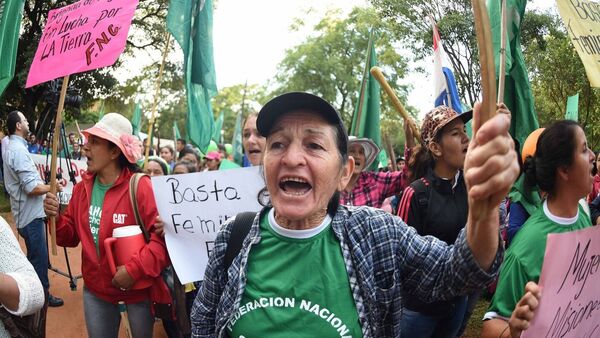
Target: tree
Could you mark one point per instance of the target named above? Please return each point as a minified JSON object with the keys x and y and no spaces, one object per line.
{"x":409,"y":24}
{"x":556,"y":72}
{"x":330,"y":62}
{"x":229,"y":101}
{"x":172,"y":105}
{"x":147,"y":34}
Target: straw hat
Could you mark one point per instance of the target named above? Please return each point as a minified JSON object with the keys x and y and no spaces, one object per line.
{"x":371,"y":149}
{"x":117,"y":129}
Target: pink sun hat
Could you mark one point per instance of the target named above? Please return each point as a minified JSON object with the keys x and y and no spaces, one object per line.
{"x":117,"y":129}
{"x":213,"y":155}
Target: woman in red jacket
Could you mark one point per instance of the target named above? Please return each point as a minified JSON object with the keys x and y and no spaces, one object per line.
{"x":101,"y":203}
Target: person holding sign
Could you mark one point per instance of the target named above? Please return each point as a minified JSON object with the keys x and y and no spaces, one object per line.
{"x":313,"y":267}
{"x":562,"y":167}
{"x":100,"y":204}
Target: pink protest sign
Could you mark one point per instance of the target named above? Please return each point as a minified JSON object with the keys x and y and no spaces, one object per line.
{"x":570,"y":280}
{"x":86,"y":35}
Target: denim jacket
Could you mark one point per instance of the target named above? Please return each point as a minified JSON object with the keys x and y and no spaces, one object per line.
{"x":384,"y":259}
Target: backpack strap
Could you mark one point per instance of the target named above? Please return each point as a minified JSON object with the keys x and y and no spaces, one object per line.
{"x":422,"y":190}
{"x":133,"y":187}
{"x":240,"y":229}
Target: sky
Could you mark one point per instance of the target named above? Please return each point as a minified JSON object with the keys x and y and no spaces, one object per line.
{"x":250,"y":39}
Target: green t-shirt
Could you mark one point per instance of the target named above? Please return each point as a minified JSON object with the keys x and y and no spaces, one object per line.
{"x":98,"y":193}
{"x":523,"y":259}
{"x":297,"y":286}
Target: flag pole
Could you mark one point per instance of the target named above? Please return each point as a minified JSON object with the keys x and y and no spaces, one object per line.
{"x":486,"y":58}
{"x":54,"y":159}
{"x":487,"y":110}
{"x":175,"y":143}
{"x":156,"y":93}
{"x":502,"y":66}
{"x":390,"y":150}
{"x":356,"y":130}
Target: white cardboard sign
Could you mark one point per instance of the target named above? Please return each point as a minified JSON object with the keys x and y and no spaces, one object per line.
{"x":195,"y":206}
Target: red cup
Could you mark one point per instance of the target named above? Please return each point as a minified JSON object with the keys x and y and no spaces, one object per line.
{"x":125,"y":242}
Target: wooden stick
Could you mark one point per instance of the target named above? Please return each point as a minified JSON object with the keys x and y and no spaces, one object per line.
{"x":390,"y":151}
{"x":54,"y":157}
{"x":156,"y":94}
{"x":125,"y":319}
{"x":502,"y":66}
{"x":486,"y":59}
{"x":488,"y":85}
{"x":378,"y":75}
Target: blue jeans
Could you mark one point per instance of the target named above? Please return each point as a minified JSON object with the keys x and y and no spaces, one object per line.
{"x":418,"y":325}
{"x":102,"y":319}
{"x":34,"y":235}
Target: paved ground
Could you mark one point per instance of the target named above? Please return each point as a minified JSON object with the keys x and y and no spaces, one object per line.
{"x":67,"y":321}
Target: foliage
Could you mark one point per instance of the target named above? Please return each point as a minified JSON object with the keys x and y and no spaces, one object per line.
{"x":556,"y":72}
{"x":409,"y":24}
{"x":171,"y":105}
{"x":229,"y":101}
{"x":147,"y":33}
{"x":331,"y":63}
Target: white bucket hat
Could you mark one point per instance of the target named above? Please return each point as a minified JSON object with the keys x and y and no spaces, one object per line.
{"x":117,"y":129}
{"x":371,"y":149}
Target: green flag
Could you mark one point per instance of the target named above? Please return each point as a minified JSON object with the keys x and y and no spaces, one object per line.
{"x":227,"y":164}
{"x":517,"y":90}
{"x":101,"y":111}
{"x":11,"y":12}
{"x":365,"y":121}
{"x":136,"y":119}
{"x":382,"y":159}
{"x":176,"y":132}
{"x":190,"y":22}
{"x":238,"y":153}
{"x":218,"y":127}
{"x":572,"y":108}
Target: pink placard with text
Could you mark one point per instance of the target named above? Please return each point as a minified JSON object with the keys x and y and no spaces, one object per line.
{"x":570,"y":284}
{"x":86,"y":35}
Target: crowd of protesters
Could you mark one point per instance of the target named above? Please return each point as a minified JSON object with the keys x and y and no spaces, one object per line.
{"x":386,"y":253}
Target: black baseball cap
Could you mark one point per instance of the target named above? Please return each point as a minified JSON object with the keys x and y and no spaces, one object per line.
{"x":292,"y":101}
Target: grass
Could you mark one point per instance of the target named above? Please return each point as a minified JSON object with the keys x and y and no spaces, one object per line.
{"x":474,"y":326}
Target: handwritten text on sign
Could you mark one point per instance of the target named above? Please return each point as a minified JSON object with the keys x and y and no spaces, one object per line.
{"x":570,"y":304}
{"x":78,"y":167}
{"x":582,"y":20}
{"x":86,"y":35}
{"x":195,"y":206}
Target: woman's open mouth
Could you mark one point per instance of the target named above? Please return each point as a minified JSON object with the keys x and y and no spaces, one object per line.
{"x":295,"y":186}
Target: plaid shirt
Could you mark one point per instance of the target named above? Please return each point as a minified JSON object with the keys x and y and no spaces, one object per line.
{"x":384,"y":258}
{"x":372,"y":188}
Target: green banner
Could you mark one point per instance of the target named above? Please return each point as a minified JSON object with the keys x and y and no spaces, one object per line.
{"x":136,"y":119}
{"x":184,"y":18}
{"x":517,"y":90}
{"x":572,"y":112}
{"x":238,"y":152}
{"x":176,"y":131}
{"x":366,"y":118}
{"x":11,"y":12}
{"x":218,"y":127}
